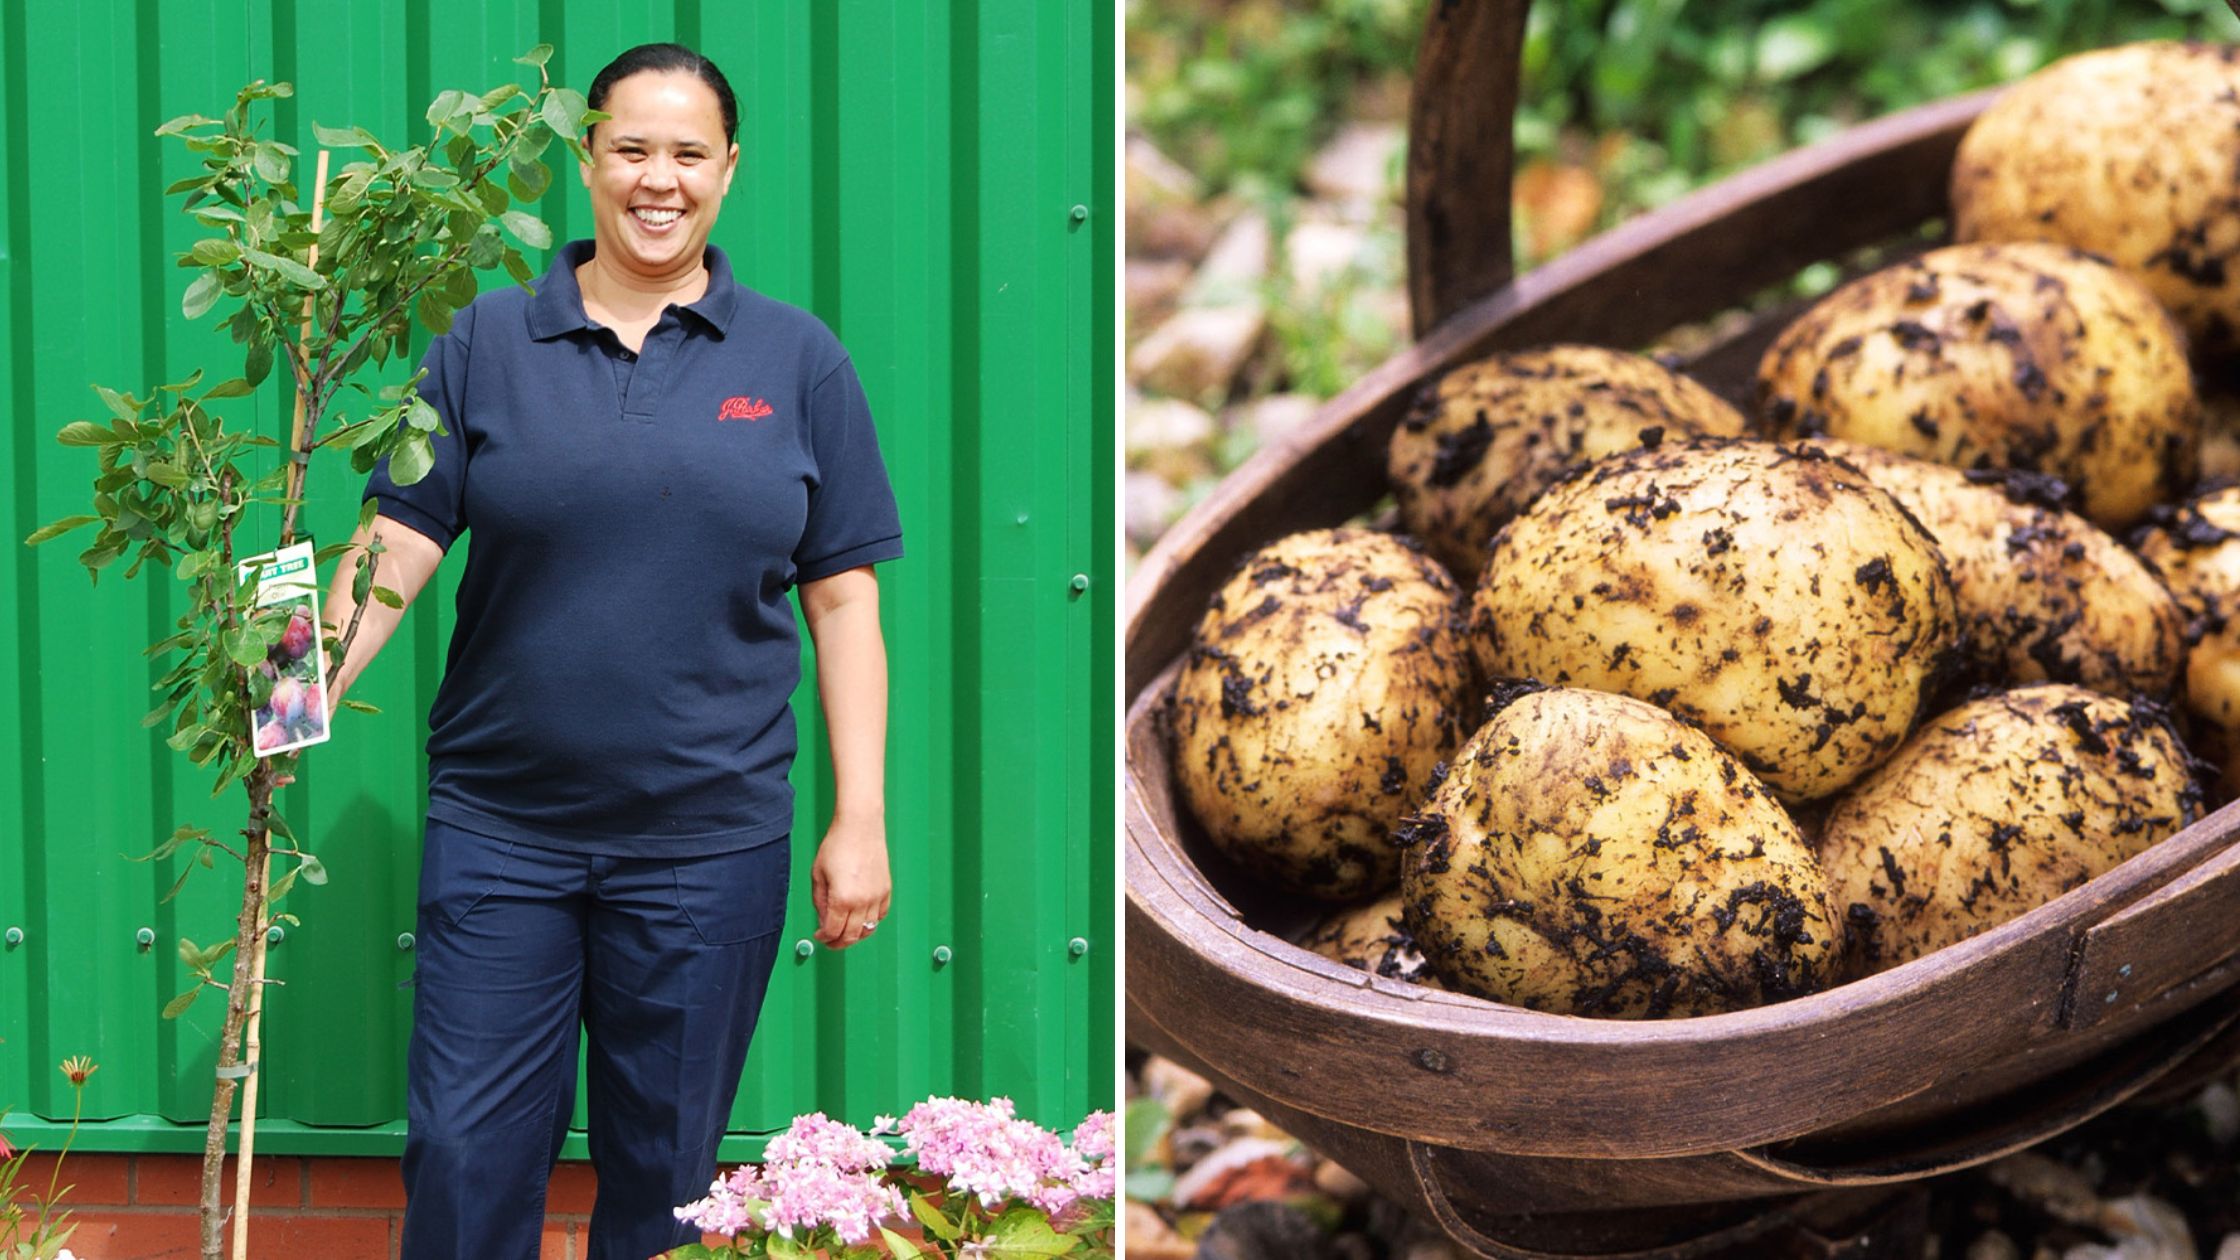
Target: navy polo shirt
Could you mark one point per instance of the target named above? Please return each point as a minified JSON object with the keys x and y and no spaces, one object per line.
{"x":619,"y":677}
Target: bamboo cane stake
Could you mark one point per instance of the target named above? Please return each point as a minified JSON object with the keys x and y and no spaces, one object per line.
{"x":251,"y":1052}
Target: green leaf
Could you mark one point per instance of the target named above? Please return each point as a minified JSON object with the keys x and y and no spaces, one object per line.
{"x":533,"y":140}
{"x":259,"y":363}
{"x":1142,"y":1124}
{"x":1151,"y":1185}
{"x":201,"y":295}
{"x":234,"y":388}
{"x":527,"y":177}
{"x":189,"y":952}
{"x":432,"y":313}
{"x":930,"y":1216}
{"x":485,"y":247}
{"x":296,"y":273}
{"x":527,"y":228}
{"x":1025,"y":1231}
{"x":217,"y":951}
{"x":1793,"y":44}
{"x":446,"y":104}
{"x":902,"y":1248}
{"x":412,"y":459}
{"x":215,"y":251}
{"x":556,"y":115}
{"x":314,"y":870}
{"x":518,"y":267}
{"x":182,"y":122}
{"x":177,"y":1006}
{"x":536,"y":56}
{"x":166,"y":474}
{"x":359,"y":705}
{"x":420,"y":415}
{"x":500,"y":94}
{"x":389,"y":597}
{"x":279,"y":826}
{"x":187,"y":736}
{"x":345,"y":137}
{"x":260,"y":689}
{"x":120,"y":406}
{"x":281,"y":885}
{"x":243,"y":647}
{"x":57,"y":528}
{"x":787,"y":1249}
{"x":270,"y":163}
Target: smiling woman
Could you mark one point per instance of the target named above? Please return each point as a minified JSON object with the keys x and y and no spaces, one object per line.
{"x":657,"y":183}
{"x":606,"y":843}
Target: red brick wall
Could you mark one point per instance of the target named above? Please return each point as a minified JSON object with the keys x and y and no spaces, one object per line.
{"x":142,"y":1207}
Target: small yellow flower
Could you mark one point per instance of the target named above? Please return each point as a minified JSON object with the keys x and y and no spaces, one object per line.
{"x":78,"y":1068}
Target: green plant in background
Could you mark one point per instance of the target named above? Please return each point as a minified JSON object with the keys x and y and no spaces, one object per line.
{"x":32,"y":1226}
{"x":403,"y":232}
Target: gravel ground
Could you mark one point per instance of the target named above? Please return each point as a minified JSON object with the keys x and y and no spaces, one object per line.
{"x":1214,"y":1181}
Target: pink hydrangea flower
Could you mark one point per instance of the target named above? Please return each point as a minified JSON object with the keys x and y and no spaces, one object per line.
{"x":815,"y":1139}
{"x":805,"y":1196}
{"x":985,"y":1150}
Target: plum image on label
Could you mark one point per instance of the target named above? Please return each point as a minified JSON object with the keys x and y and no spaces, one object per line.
{"x":287,"y":690}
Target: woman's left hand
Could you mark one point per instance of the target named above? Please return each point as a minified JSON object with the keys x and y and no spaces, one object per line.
{"x":849,"y":883}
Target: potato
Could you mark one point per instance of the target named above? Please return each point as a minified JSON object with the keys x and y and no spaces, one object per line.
{"x":1593,"y":855}
{"x":2029,"y":356}
{"x":2196,"y":549}
{"x":2127,"y":152}
{"x":1372,"y":938}
{"x":1488,"y":437}
{"x":2045,"y":596}
{"x":1320,"y":696}
{"x":1998,"y":807}
{"x":1774,"y":597}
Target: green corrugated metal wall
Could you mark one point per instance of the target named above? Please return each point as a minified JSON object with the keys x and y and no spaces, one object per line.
{"x":910,"y":172}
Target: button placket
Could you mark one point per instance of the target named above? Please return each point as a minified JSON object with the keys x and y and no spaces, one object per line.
{"x":653,"y":364}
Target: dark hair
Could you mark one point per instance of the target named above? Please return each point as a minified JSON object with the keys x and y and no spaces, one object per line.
{"x":666,"y":57}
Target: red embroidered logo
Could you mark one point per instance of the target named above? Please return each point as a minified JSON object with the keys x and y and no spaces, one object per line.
{"x":743,"y":409}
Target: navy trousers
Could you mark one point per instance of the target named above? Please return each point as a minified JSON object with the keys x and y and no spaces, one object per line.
{"x":663,"y":962}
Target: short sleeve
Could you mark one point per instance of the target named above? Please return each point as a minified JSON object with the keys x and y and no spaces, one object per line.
{"x":852,"y":517}
{"x":435,"y":505}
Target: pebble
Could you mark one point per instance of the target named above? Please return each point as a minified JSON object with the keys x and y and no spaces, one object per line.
{"x":1991,"y":1246}
{"x":1273,"y":417}
{"x":2220,"y":1113}
{"x":1157,"y":425}
{"x":1334,"y":1180}
{"x":1243,"y":1122}
{"x":1150,"y":505}
{"x":1360,"y":164}
{"x":1154,"y":286}
{"x":1320,"y":254}
{"x":1199,"y":351}
{"x":2229,"y":1249}
{"x":2062,"y":1191}
{"x":1184,"y":1092}
{"x":1235,"y":266}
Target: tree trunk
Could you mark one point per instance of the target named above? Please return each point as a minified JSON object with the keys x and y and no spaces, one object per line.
{"x":239,"y":996}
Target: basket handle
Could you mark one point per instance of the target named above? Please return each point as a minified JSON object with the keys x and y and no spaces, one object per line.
{"x":1461,"y":156}
{"x":2175,"y":940}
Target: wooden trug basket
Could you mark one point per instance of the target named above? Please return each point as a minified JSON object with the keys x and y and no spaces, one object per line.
{"x":1519,"y":1131}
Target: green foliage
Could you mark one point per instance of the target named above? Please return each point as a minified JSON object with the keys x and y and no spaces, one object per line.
{"x":1241,"y":93}
{"x":403,"y":232}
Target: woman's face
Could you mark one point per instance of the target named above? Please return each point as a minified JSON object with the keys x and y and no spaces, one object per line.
{"x":659,"y":169}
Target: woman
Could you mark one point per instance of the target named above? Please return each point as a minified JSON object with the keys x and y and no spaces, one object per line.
{"x":648,"y":455}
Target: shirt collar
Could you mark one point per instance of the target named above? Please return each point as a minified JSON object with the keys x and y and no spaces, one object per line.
{"x":557,"y":307}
